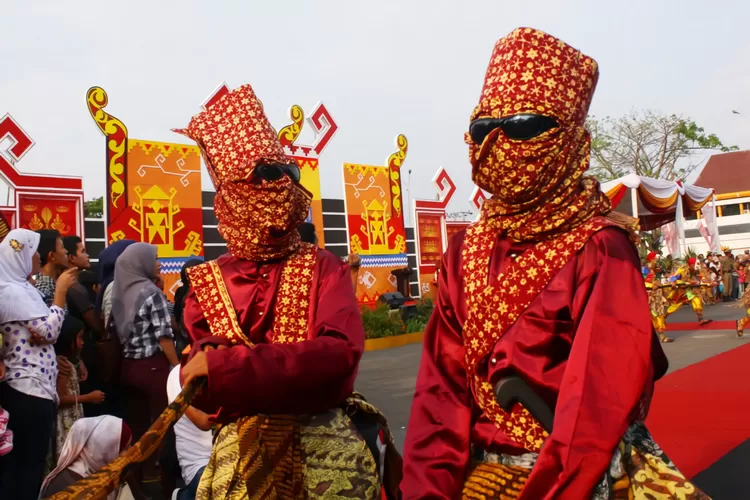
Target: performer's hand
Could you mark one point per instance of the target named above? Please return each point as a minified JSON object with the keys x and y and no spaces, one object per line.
{"x":195,"y":368}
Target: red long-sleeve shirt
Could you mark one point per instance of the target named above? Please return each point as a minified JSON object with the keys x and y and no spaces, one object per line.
{"x":306,"y":377}
{"x":585,"y":345}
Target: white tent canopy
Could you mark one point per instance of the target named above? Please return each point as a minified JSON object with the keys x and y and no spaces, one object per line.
{"x":657,"y":202}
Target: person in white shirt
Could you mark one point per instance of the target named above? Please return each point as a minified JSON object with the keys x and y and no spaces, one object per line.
{"x":193,"y":440}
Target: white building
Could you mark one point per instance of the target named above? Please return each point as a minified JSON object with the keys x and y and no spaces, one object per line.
{"x":728,"y":174}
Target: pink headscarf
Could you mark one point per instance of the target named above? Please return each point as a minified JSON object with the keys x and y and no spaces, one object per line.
{"x":91,"y":444}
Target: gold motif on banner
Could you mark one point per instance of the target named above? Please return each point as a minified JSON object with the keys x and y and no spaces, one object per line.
{"x":58,"y":224}
{"x":156,"y":224}
{"x":291,"y":132}
{"x":376,"y":226}
{"x":394,"y":169}
{"x":46,"y":221}
{"x":35,"y":224}
{"x":377,"y":230}
{"x":430,"y":231}
{"x":117,"y":236}
{"x":116,"y":133}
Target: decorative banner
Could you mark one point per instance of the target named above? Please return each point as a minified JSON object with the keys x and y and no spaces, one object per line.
{"x":670,"y":237}
{"x":708,"y":226}
{"x":431,"y":232}
{"x":47,"y":213}
{"x":153,"y":192}
{"x":307,"y":156}
{"x":375,"y":222}
{"x":38,"y":202}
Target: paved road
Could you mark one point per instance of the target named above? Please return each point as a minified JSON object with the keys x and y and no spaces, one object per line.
{"x":387,"y":377}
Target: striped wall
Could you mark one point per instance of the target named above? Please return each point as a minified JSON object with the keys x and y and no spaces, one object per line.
{"x":96,"y":238}
{"x":334,"y":223}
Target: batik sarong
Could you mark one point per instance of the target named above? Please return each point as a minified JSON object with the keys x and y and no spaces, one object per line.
{"x":639,"y":470}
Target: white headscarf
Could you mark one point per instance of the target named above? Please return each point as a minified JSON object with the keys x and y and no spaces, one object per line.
{"x":91,"y":444}
{"x":19,"y":300}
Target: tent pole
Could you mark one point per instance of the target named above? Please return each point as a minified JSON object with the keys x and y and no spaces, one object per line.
{"x":715,"y":242}
{"x":634,"y":201}
{"x":680,"y":223}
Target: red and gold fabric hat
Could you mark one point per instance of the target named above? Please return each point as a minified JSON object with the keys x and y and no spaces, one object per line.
{"x":533,"y":72}
{"x":235,"y":135}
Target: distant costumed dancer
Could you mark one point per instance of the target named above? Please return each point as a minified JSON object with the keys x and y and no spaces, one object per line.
{"x":687,"y":283}
{"x":656,"y":301}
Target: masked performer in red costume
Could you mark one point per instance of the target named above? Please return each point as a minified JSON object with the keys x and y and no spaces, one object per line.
{"x":546,"y":288}
{"x":277,"y":328}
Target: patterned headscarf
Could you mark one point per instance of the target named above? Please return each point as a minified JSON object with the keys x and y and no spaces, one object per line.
{"x":258,"y":220}
{"x":538,"y":186}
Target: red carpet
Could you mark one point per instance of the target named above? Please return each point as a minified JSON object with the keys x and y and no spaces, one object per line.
{"x":699,"y":413}
{"x":714,"y":325}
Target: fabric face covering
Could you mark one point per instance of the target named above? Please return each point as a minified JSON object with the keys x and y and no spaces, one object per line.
{"x":257,"y":217}
{"x":537,"y":183}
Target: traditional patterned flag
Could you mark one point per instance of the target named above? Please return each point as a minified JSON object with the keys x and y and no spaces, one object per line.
{"x":709,"y":227}
{"x":670,"y":237}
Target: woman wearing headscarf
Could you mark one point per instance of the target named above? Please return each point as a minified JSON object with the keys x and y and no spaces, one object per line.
{"x":91,"y":444}
{"x":107,"y":260}
{"x":28,"y":391}
{"x":141,"y":314}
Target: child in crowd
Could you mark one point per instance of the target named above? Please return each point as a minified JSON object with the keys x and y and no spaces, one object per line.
{"x":68,"y":348}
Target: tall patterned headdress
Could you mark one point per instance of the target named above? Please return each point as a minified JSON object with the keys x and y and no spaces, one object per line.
{"x":533,"y":72}
{"x":235,"y":135}
{"x":257,"y":218}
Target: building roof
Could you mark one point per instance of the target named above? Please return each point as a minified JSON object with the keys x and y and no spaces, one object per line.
{"x":726,"y":173}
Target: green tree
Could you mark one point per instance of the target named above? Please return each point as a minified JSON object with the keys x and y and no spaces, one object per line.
{"x":94,"y":209}
{"x":648,"y":144}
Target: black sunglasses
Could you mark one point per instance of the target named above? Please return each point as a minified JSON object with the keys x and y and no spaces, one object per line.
{"x":274,"y":171}
{"x":516,"y":127}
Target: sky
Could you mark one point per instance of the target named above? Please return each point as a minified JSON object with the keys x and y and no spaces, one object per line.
{"x":384,"y":68}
